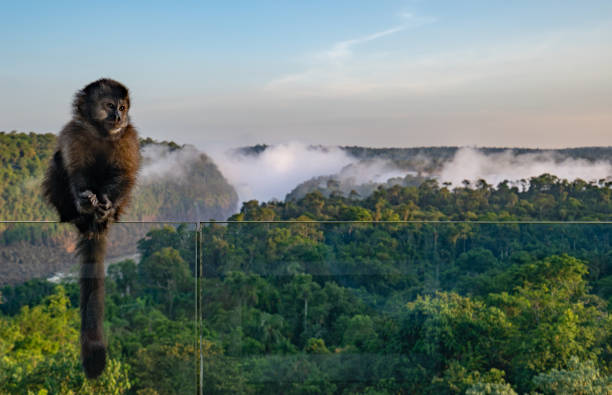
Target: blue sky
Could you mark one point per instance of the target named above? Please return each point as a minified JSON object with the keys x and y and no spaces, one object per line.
{"x":380,"y":73}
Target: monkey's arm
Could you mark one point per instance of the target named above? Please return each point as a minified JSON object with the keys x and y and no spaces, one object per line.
{"x":76,"y":160}
{"x":114,"y":196}
{"x":85,"y":200}
{"x":116,"y":191}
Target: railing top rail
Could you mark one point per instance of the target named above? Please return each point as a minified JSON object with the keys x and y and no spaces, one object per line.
{"x":406,"y":222}
{"x":542,"y":222}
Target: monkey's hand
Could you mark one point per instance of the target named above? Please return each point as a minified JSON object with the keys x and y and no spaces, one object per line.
{"x":104,"y":209}
{"x":86,"y":202}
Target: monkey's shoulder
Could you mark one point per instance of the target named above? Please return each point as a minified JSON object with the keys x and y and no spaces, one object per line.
{"x":126,"y":151}
{"x":81,"y":146}
{"x":77,"y":143}
{"x":77,"y":130}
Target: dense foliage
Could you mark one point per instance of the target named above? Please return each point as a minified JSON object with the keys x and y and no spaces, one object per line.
{"x":339,"y":308}
{"x":23,"y":158}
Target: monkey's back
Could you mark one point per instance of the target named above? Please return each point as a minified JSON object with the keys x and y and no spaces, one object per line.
{"x":56,"y":189}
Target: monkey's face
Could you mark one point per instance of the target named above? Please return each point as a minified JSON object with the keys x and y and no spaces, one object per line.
{"x":111,"y":113}
{"x":104,"y":104}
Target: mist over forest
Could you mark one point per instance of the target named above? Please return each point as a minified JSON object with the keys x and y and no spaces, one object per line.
{"x":267,"y":172}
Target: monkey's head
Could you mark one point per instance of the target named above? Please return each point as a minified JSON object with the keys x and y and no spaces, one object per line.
{"x":104,"y":104}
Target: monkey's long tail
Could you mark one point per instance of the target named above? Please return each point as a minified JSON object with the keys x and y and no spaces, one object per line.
{"x":91,"y":248}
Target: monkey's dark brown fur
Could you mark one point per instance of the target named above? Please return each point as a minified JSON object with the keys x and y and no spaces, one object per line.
{"x":89,"y":181}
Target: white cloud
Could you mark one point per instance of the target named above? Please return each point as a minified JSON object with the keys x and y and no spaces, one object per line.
{"x":161,"y":162}
{"x":274,"y":172}
{"x":470,"y":164}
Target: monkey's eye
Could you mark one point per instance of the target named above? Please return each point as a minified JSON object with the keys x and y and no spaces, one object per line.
{"x":110,"y":105}
{"x":122,"y":108}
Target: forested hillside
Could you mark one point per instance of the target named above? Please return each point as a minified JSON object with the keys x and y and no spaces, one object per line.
{"x":195,"y":191}
{"x":540,"y":198}
{"x":176,"y":184}
{"x":342,"y":308}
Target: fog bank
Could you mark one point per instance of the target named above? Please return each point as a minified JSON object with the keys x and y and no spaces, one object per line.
{"x":471,"y":164}
{"x":273,"y":172}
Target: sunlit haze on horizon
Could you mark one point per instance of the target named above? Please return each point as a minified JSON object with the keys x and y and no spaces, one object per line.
{"x":384,"y":73}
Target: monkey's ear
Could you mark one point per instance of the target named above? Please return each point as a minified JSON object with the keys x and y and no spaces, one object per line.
{"x":78,"y":104}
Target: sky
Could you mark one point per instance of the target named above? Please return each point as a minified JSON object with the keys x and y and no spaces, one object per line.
{"x":375,"y":73}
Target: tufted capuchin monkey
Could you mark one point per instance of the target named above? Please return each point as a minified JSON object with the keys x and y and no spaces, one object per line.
{"x":89,"y":181}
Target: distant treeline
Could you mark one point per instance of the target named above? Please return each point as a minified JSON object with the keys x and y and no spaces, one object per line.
{"x":446,"y":153}
{"x":539,"y":198}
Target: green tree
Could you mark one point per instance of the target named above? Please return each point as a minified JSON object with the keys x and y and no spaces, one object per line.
{"x":579,"y":378}
{"x":39,"y":351}
{"x":166,"y":277}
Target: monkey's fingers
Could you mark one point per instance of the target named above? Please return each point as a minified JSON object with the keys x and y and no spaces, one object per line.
{"x":86,"y":202}
{"x":93,"y":199}
{"x":104,"y":209}
{"x":104,"y":202}
{"x":89,"y":196}
{"x":102,"y":214}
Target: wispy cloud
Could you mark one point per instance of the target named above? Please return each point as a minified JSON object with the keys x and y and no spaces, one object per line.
{"x":533,"y":60}
{"x":343,"y":49}
{"x":327,"y":66}
{"x":412,"y":20}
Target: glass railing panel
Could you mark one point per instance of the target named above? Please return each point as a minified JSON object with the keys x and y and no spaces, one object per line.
{"x":400,"y":307}
{"x":150,"y":310}
{"x":310,"y":307}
